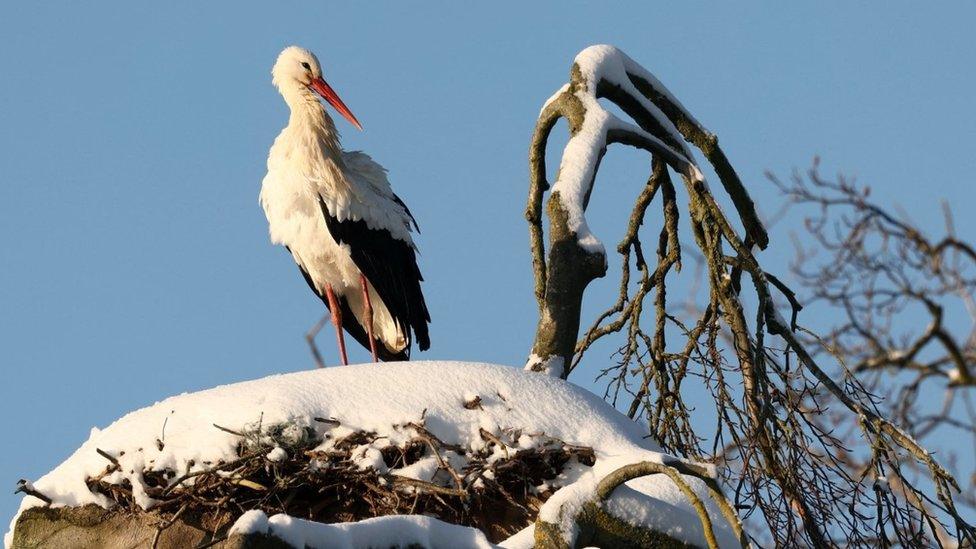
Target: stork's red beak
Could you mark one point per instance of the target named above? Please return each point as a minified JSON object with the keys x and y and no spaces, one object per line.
{"x":327,"y":93}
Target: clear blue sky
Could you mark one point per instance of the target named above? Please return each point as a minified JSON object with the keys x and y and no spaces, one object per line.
{"x":136,"y":262}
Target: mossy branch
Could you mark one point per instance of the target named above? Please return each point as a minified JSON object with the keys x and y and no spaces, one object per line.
{"x":769,"y":400}
{"x":597,"y":525}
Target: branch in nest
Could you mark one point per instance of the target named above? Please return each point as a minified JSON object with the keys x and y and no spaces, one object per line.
{"x":27,"y":487}
{"x":330,"y":484}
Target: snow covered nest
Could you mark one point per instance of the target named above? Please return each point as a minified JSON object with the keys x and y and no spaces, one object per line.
{"x":462,"y":423}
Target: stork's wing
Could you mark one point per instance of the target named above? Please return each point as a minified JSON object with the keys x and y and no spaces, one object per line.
{"x":371,"y":179}
{"x":390,"y":265}
{"x":352,"y":326}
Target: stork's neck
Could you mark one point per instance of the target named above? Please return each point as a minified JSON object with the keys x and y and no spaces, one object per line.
{"x":308,"y":116}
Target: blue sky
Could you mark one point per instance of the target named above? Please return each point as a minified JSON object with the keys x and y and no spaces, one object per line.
{"x":136,"y":262}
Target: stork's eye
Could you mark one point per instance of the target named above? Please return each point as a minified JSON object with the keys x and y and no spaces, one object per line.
{"x":306,"y":65}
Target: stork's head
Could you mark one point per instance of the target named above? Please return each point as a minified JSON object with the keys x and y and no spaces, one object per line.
{"x":297,"y":70}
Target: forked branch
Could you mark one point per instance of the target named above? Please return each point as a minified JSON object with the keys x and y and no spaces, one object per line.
{"x":776,"y":455}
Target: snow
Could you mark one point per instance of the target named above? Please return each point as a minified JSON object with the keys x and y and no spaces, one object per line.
{"x":253,"y":521}
{"x":603,"y":62}
{"x":581,"y":155}
{"x":278,"y":454}
{"x":955,"y":376}
{"x":899,"y":355}
{"x":881,"y":485}
{"x":552,"y":366}
{"x":383,"y":398}
{"x":635,"y":68}
{"x":553,"y":97}
{"x":524,"y":539}
{"x":653,"y":502}
{"x":390,"y":531}
{"x":669,"y":514}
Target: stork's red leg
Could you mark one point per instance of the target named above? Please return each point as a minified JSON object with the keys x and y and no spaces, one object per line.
{"x":337,"y":322}
{"x":369,"y":316}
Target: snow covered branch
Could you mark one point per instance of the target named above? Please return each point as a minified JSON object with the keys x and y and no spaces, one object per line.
{"x":768,"y":398}
{"x":597,"y":527}
{"x":576,"y":257}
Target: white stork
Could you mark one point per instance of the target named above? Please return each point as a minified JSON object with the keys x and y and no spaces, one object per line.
{"x":335,"y":212}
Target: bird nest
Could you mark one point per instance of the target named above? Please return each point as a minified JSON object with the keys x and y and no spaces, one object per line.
{"x":496,"y":484}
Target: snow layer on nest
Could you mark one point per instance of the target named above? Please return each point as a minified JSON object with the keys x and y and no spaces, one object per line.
{"x":391,"y":531}
{"x":376,"y":397}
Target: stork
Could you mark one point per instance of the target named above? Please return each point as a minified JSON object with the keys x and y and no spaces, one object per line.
{"x":335,"y":212}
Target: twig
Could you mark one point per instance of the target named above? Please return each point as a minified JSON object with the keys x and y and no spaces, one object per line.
{"x":231,"y":431}
{"x":214,"y":469}
{"x":166,"y":524}
{"x":108,"y":456}
{"x":310,"y":338}
{"x":25,"y":486}
{"x":487,"y":435}
{"x":428,"y":486}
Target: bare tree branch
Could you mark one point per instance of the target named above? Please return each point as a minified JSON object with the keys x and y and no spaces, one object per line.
{"x":779,"y":455}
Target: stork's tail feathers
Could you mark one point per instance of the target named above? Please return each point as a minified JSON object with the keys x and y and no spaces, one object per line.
{"x":356,"y":330}
{"x":420,"y":328}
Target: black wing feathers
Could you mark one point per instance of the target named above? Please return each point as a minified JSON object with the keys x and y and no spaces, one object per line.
{"x":407,"y":210}
{"x":390,"y":265}
{"x":352,"y":326}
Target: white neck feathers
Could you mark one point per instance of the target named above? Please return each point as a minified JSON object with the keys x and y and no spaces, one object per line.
{"x":308,"y":118}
